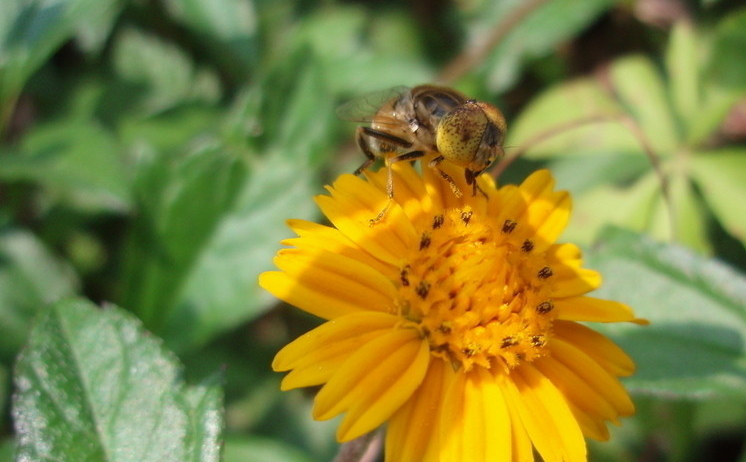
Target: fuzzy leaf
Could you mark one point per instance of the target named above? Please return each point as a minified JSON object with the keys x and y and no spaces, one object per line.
{"x":91,"y":384}
{"x":695,"y":305}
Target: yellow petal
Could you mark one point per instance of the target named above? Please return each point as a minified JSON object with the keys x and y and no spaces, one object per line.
{"x":373,"y":407}
{"x":522,"y":449}
{"x":593,"y":374}
{"x":409,"y":190}
{"x":328,"y":285}
{"x":363,"y":201}
{"x":577,"y":391}
{"x":545,"y":414}
{"x":318,"y":353}
{"x":315,"y":236}
{"x":475,"y":424}
{"x":339,"y":276}
{"x":440,"y":190}
{"x":569,"y":279}
{"x":592,"y":427}
{"x":567,"y":254}
{"x":598,"y":347}
{"x":309,"y":299}
{"x":374,"y":382}
{"x":508,"y":204}
{"x":546,"y":212}
{"x":355,"y":225}
{"x":589,"y":309}
{"x":538,"y":183}
{"x":548,"y":218}
{"x":413,"y":431}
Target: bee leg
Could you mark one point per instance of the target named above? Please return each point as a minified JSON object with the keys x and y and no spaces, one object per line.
{"x":454,"y":187}
{"x":370,"y":157}
{"x":390,"y":180}
{"x":471,"y":178}
{"x":382,"y":213}
{"x":392,"y":160}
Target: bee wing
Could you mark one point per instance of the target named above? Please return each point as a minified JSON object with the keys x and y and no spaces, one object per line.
{"x":364,"y":108}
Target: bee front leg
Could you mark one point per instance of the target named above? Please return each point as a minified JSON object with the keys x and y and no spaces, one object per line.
{"x":471,"y":178}
{"x":454,"y":187}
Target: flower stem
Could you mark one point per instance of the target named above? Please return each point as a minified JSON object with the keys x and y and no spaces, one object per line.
{"x":363,"y":449}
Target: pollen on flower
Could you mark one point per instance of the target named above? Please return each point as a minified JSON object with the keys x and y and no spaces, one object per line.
{"x":479,"y":297}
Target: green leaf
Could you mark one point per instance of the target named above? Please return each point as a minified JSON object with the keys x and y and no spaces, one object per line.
{"x":683,"y":65}
{"x":31,"y":30}
{"x":257,"y":449}
{"x":166,"y":131}
{"x":5,"y":388}
{"x":227,"y":27}
{"x":7,"y":450}
{"x":162,"y":75}
{"x":206,"y":233}
{"x":30,"y":278}
{"x":581,"y":173}
{"x":92,"y":385}
{"x":92,"y":31}
{"x":723,"y":81}
{"x":640,"y":88}
{"x":726,"y":65}
{"x":360,"y":44}
{"x":204,"y":404}
{"x":606,"y":204}
{"x":695,"y":305}
{"x":557,"y":109}
{"x":77,"y":162}
{"x":221,"y":289}
{"x":180,"y":201}
{"x":538,"y":34}
{"x":720,"y":175}
{"x":683,"y":211}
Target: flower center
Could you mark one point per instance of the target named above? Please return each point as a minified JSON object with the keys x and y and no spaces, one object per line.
{"x":477,"y":295}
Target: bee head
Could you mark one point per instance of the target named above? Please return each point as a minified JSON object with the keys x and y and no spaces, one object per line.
{"x":471,"y":135}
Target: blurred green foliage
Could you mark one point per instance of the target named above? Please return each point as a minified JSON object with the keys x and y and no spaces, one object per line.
{"x":150,"y":151}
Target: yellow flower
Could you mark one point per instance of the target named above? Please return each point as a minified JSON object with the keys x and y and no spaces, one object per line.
{"x":453,"y":320}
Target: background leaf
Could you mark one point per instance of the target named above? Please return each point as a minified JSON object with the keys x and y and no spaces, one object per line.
{"x":77,"y":163}
{"x":181,"y":200}
{"x":641,"y":90}
{"x":720,"y":176}
{"x":31,"y":30}
{"x":694,"y":305}
{"x":31,"y":277}
{"x":577,"y":100}
{"x":550,"y":24}
{"x":723,"y":80}
{"x":164,"y":74}
{"x":227,"y":28}
{"x":220,"y":218}
{"x":92,"y":385}
{"x":261,"y":450}
{"x":683,"y":67}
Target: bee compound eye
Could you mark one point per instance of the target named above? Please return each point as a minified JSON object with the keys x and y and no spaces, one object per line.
{"x":460,"y":133}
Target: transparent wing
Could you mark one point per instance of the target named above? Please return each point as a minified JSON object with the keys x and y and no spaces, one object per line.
{"x":365,"y":107}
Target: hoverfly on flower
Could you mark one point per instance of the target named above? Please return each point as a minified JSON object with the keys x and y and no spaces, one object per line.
{"x":428,"y":122}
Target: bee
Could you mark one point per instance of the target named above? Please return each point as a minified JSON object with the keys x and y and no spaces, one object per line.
{"x":406,"y":124}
